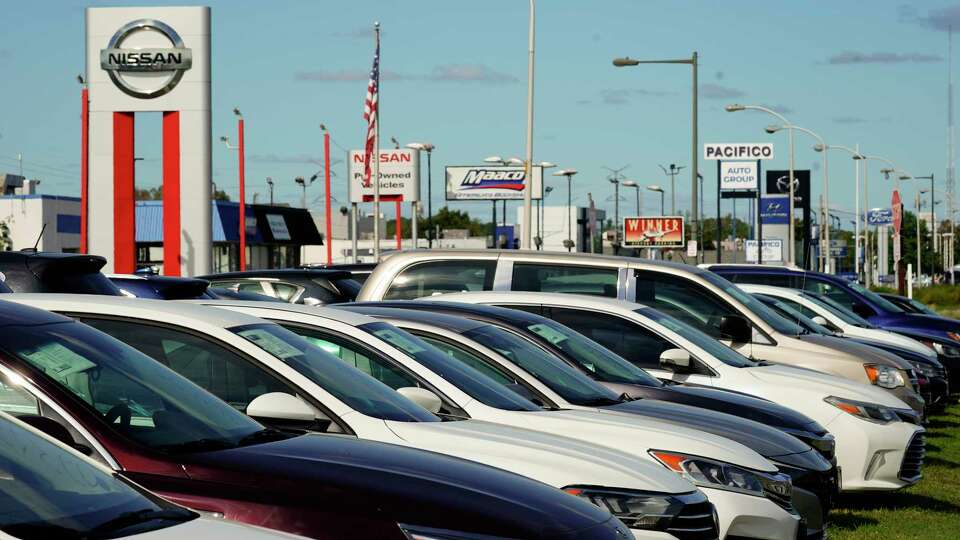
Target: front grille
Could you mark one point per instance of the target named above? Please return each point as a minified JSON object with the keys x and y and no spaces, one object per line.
{"x":910,"y":468}
{"x":914,"y":383}
{"x":696,"y":521}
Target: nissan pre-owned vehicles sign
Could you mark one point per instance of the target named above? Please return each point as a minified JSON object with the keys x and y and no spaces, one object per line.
{"x":399,"y":176}
{"x":496,"y":182}
{"x":744,"y":151}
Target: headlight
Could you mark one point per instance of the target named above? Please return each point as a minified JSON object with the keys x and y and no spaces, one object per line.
{"x":870,"y":412}
{"x":954,"y":336}
{"x":636,"y":509}
{"x":884,"y":376}
{"x":717,"y":474}
{"x":416,"y":532}
{"x":946,"y":350}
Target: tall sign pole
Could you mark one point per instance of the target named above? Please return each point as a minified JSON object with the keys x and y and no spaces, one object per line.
{"x":376,"y":159}
{"x":84,"y":164}
{"x":695,"y":169}
{"x":326,"y":187}
{"x":243,"y":200}
{"x":528,"y":162}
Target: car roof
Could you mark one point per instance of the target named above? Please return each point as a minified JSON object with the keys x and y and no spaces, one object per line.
{"x":449,"y":322}
{"x":578,"y":300}
{"x":13,"y":314}
{"x":154,"y":310}
{"x":307,"y":273}
{"x":339,"y":315}
{"x":573,"y":258}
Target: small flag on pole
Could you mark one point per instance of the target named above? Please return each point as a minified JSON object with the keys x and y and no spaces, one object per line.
{"x":370,"y":115}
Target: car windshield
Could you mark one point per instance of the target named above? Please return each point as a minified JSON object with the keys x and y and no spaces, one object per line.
{"x":353,"y":387}
{"x":603,"y":363}
{"x":838,"y":310}
{"x":48,"y":492}
{"x":712,"y":347}
{"x":768,"y":316}
{"x":568,"y":383}
{"x":789,"y":312}
{"x":470,"y":381}
{"x":875,"y":298}
{"x":137,"y":396}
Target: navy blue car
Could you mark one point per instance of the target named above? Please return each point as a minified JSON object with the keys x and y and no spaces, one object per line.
{"x":940,"y":333}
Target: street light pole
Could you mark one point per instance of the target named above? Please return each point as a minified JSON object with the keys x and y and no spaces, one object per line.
{"x":672,"y":173}
{"x":635,"y":185}
{"x":791,"y":247}
{"x":528,"y":162}
{"x":933,"y":225}
{"x":569,"y":174}
{"x":694,"y":206}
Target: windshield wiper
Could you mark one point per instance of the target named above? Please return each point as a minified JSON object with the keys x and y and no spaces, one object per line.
{"x":137,"y":517}
{"x":263,"y":436}
{"x":198,"y":445}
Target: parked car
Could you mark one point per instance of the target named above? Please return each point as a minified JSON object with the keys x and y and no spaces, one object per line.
{"x":617,"y":374}
{"x":293,"y":285}
{"x":909,"y":305}
{"x":245,"y":360}
{"x":158,"y":429}
{"x":37,"y":271}
{"x":940,"y":333}
{"x":458,"y":391}
{"x":875,"y":448}
{"x":929,"y":373}
{"x":698,"y":297}
{"x":179,"y":288}
{"x":530,"y":370}
{"x":52,"y":491}
{"x":358,"y":271}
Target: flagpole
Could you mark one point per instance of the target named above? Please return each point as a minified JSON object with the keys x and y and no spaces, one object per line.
{"x":376,"y":162}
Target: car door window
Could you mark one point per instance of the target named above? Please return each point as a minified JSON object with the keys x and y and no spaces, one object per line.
{"x":15,"y":400}
{"x":537,"y":277}
{"x":831,"y":291}
{"x":251,"y":286}
{"x":634,"y":343}
{"x":213,"y":367}
{"x":284,"y":291}
{"x":355,"y":355}
{"x":438,"y":277}
{"x":682,"y":299}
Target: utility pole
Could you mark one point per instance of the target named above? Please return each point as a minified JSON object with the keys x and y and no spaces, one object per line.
{"x":672,"y":173}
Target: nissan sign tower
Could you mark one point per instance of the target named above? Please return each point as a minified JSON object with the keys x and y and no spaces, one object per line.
{"x":149,"y":59}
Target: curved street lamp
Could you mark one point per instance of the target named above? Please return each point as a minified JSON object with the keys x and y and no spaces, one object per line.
{"x":633,"y":184}
{"x":568,"y":243}
{"x":659,"y":190}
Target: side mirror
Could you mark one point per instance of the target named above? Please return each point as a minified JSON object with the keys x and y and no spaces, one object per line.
{"x":422,"y":397}
{"x":281,"y":408}
{"x":676,"y":360}
{"x":735,"y":328}
{"x":862,"y":310}
{"x":820,"y":320}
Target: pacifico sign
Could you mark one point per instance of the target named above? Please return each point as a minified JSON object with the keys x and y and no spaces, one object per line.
{"x":133,"y":69}
{"x":745,"y":151}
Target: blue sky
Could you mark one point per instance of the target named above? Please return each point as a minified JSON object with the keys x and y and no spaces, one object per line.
{"x":872,"y":73}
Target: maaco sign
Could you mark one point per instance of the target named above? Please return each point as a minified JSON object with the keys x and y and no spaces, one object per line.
{"x":492,"y":183}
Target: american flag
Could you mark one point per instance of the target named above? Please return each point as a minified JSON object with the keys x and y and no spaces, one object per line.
{"x":370,"y":115}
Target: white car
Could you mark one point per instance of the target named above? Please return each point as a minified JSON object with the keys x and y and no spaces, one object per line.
{"x":835,"y":317}
{"x":279,"y":377}
{"x":403,"y":361}
{"x":875,"y":449}
{"x":48,"y":490}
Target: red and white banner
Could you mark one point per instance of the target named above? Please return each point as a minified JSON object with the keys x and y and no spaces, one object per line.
{"x":659,"y":231}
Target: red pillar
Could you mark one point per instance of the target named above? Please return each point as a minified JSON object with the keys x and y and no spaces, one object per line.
{"x":171,"y":193}
{"x":399,"y":226}
{"x":326,"y":182}
{"x":124,"y":210}
{"x":84,"y":164}
{"x":243,"y":199}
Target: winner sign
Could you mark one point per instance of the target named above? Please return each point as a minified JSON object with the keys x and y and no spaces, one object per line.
{"x":655,"y":232}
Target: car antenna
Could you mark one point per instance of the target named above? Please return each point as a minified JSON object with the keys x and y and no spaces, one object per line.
{"x":37,"y":243}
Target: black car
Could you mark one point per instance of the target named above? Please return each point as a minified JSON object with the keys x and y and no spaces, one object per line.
{"x":179,"y":288}
{"x":47,"y":272}
{"x":293,"y":285}
{"x":161,"y":431}
{"x":359,"y":271}
{"x":813,"y":474}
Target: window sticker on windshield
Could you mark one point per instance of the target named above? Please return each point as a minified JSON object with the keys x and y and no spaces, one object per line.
{"x":547,"y":333}
{"x":58,"y":361}
{"x":399,"y":340}
{"x":271,"y":343}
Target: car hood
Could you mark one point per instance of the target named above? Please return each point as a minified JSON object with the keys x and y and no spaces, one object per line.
{"x":904,"y":353}
{"x":917,"y":323}
{"x":747,"y":406}
{"x":864,"y":353}
{"x":398,"y":483}
{"x":823,"y":384}
{"x":892,"y":339}
{"x":552,"y":459}
{"x":769,"y":442}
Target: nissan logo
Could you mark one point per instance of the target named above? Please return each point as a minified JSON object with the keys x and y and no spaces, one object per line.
{"x":172,"y":61}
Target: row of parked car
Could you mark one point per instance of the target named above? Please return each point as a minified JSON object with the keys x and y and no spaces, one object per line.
{"x":457,"y":395}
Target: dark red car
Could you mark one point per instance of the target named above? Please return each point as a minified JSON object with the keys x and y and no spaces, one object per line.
{"x":170,"y":436}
